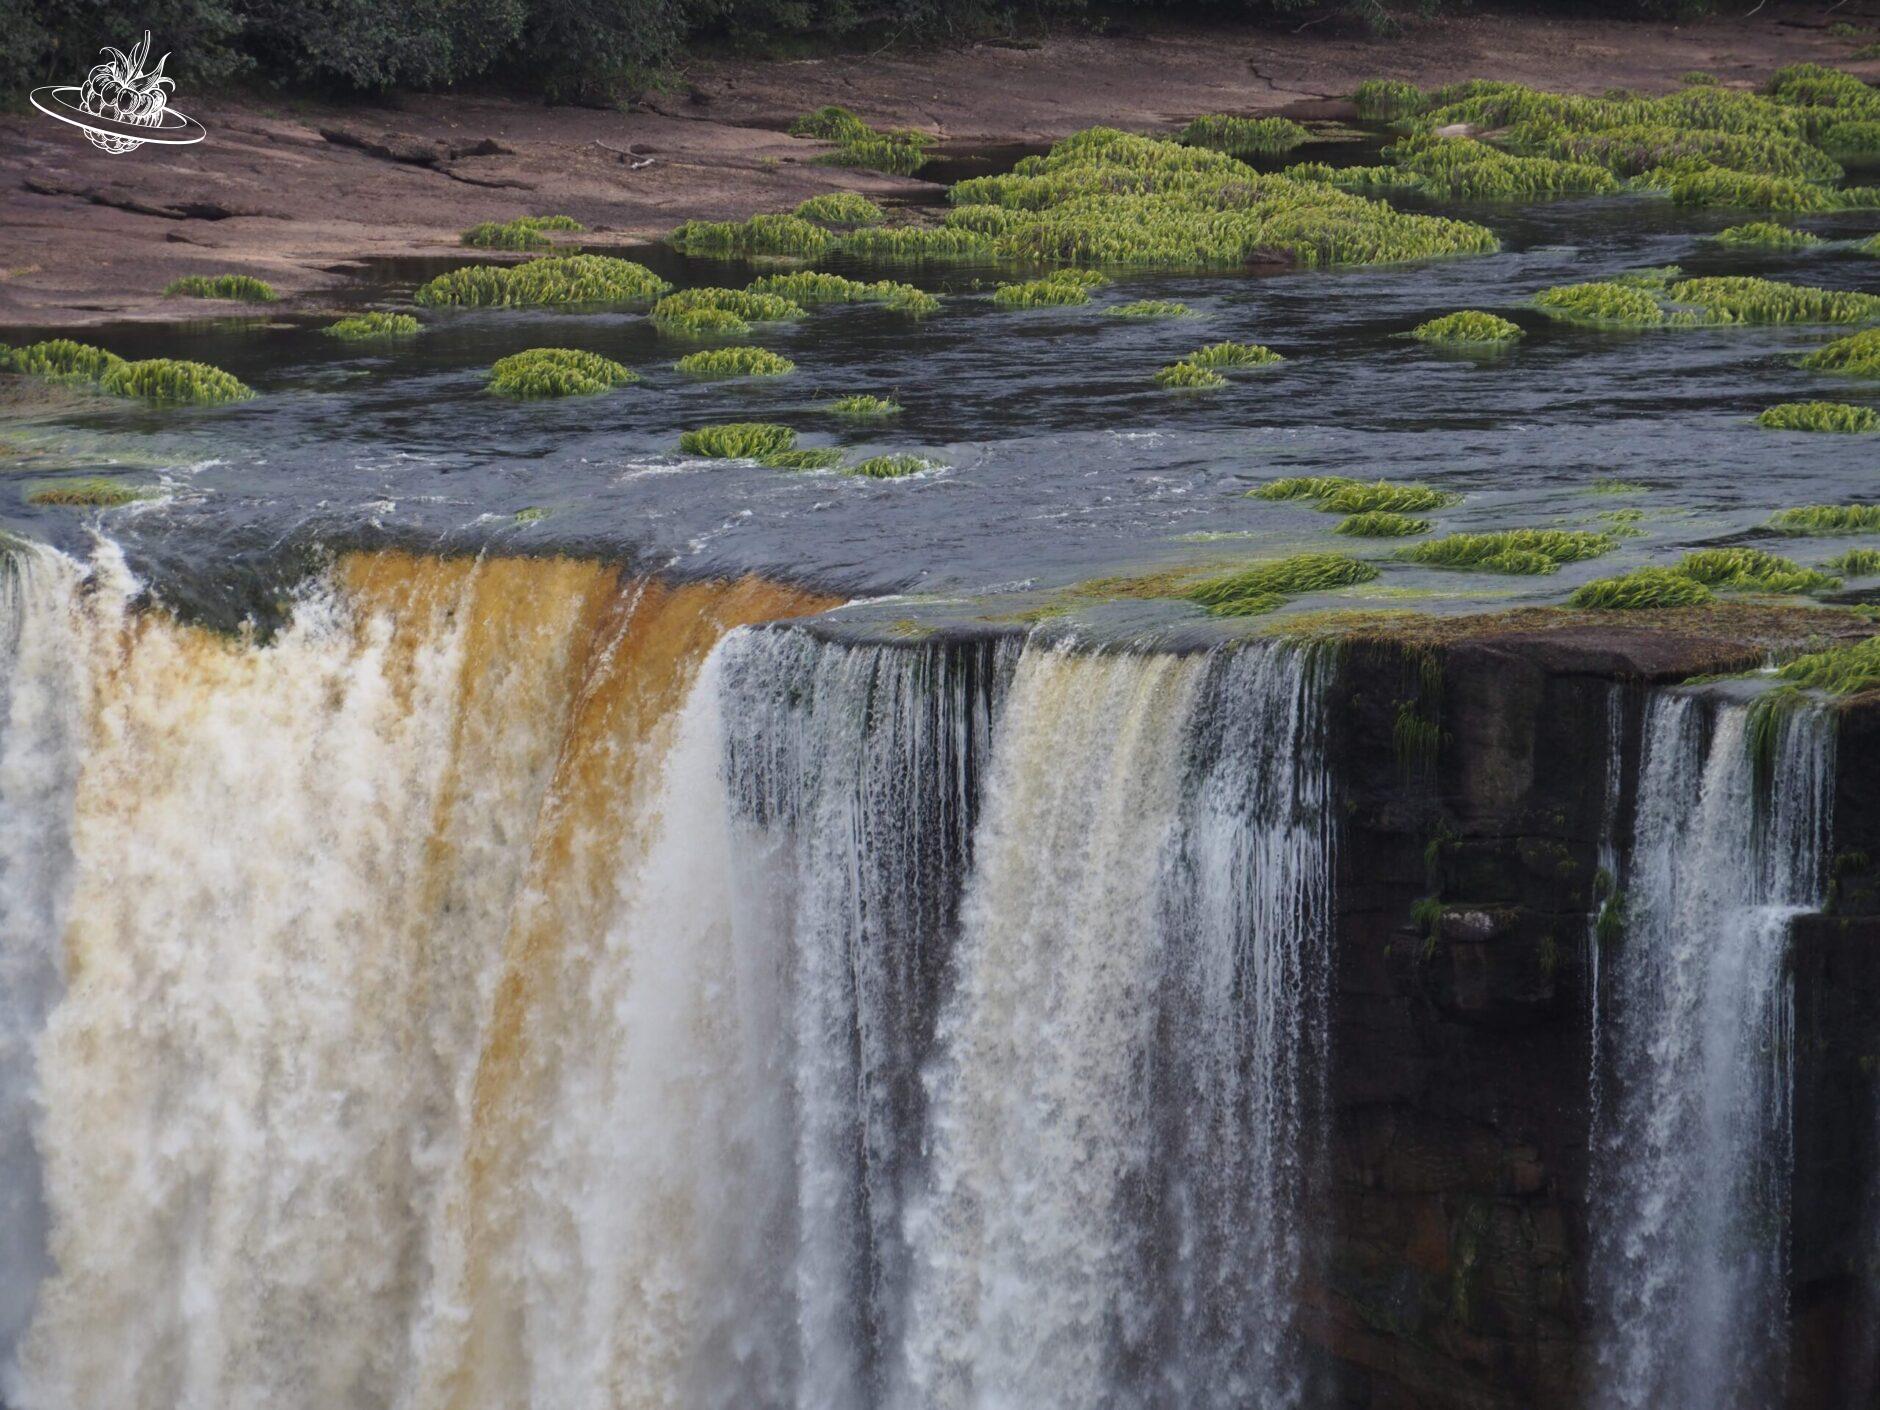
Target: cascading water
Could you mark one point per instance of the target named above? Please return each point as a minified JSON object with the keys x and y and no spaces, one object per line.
{"x":516,"y":985}
{"x":1691,"y":1159}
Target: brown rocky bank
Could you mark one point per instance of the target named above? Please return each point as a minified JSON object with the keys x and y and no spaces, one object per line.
{"x":295,"y":191}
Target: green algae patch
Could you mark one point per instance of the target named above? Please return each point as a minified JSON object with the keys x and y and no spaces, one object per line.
{"x":1766,"y":235}
{"x":1644,"y":589}
{"x":841,"y":208}
{"x":1242,"y":136}
{"x":1840,"y":670}
{"x":896,"y":153}
{"x":679,"y":311}
{"x":1469,"y":327}
{"x":1251,"y":591}
{"x":60,"y":360}
{"x":1041,"y":293}
{"x":1381,"y":524}
{"x":821,"y":458}
{"x":1527,"y":551}
{"x":1233,"y":355}
{"x":1857,"y":355}
{"x":1189,"y":377}
{"x":735,"y":362}
{"x":1819,"y":520}
{"x":738,"y":440}
{"x":1751,"y":570}
{"x":169,"y":381}
{"x":1747,"y":299}
{"x":863,"y":406}
{"x":87,"y":493}
{"x":1615,"y":486}
{"x":1150,"y":308}
{"x":364,"y":327}
{"x":892,"y":467}
{"x":1383,"y":495}
{"x":918,"y":243}
{"x":557,"y":280}
{"x":528,"y":232}
{"x":833,"y":123}
{"x":1302,"y":487}
{"x":760,"y":235}
{"x":240,"y":288}
{"x":557,"y":372}
{"x":1602,"y":304}
{"x":1856,"y":563}
{"x":1825,"y":416}
{"x":1466,"y":169}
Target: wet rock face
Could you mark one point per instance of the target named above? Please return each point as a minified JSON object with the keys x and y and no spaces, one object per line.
{"x":1473,"y":791}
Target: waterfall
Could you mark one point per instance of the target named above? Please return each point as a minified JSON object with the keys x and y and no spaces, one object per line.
{"x":1691,"y":1162}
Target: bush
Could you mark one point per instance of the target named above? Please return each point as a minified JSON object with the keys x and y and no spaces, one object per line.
{"x":162,"y":379}
{"x":1467,"y":327}
{"x":60,"y":360}
{"x":861,"y":406}
{"x":1266,"y":586}
{"x":892,"y":467}
{"x":1819,"y":416}
{"x":565,"y":279}
{"x":241,"y":288}
{"x":1642,"y":589}
{"x":376,"y":324}
{"x":1243,"y":137}
{"x":738,"y":440}
{"x":557,"y":372}
{"x":735,"y":362}
{"x":1381,"y":524}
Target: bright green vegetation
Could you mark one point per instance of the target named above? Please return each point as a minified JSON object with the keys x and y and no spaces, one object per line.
{"x":760,"y":235}
{"x":529,"y":232}
{"x":721,"y":312}
{"x":735,"y":362}
{"x":1766,"y":235}
{"x":557,"y":372}
{"x":1744,"y":299}
{"x":1657,"y":276}
{"x":1470,"y":326}
{"x":1693,"y":78}
{"x":243,"y":288}
{"x":841,"y":208}
{"x":1857,"y":355}
{"x":1750,"y":570}
{"x":1718,"y":186}
{"x":1381,"y":524}
{"x":918,"y":242}
{"x":1387,"y":99}
{"x":376,"y":324}
{"x":1150,"y":308}
{"x":903,"y":298}
{"x":1859,"y":138}
{"x":1106,"y":197}
{"x":859,"y":145}
{"x":1510,"y":550}
{"x":1822,"y":519}
{"x":163,"y":379}
{"x":1819,"y":416}
{"x":563,"y":279}
{"x":822,"y":458}
{"x":1856,"y":563}
{"x":60,"y":360}
{"x":892,"y":467}
{"x":1466,"y":169}
{"x":1359,"y":498}
{"x":830,"y":124}
{"x":1642,"y":589}
{"x":811,"y":287}
{"x":1243,"y":137}
{"x":1040,"y":293}
{"x":87,"y":493}
{"x":1302,"y":487}
{"x":1188,"y":376}
{"x":1266,"y":586}
{"x":1840,"y":670}
{"x":1233,"y":355}
{"x":862,"y":406}
{"x":1603,"y":304}
{"x":738,"y":440}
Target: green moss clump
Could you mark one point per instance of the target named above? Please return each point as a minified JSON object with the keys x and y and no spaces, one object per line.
{"x":735,"y":362}
{"x":738,"y":440}
{"x":1766,"y":235}
{"x":1824,"y":519}
{"x":841,"y":208}
{"x":1233,"y":355}
{"x":1188,"y":376}
{"x":1840,"y":670}
{"x":1511,"y":550}
{"x":760,"y":235}
{"x":1602,"y":303}
{"x":1381,"y":524}
{"x":557,"y":372}
{"x":1856,"y":563}
{"x":1387,"y":99}
{"x":1745,"y":299}
{"x":892,"y":467}
{"x":1040,"y":293}
{"x":93,"y":492}
{"x":1467,"y":327}
{"x":862,"y":406}
{"x":1643,"y":589}
{"x":1150,"y":308}
{"x":1265,"y":586}
{"x":1857,"y":355}
{"x":376,"y":324}
{"x":563,"y":279}
{"x":1750,"y":570}
{"x":243,"y":288}
{"x":830,"y":124}
{"x":1819,"y":416}
{"x":527,"y":232}
{"x":60,"y":360}
{"x":821,"y":458}
{"x":1361,"y":498}
{"x":742,"y":304}
{"x":166,"y":380}
{"x":1302,"y":487}
{"x":1243,"y":137}
{"x":918,"y":242}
